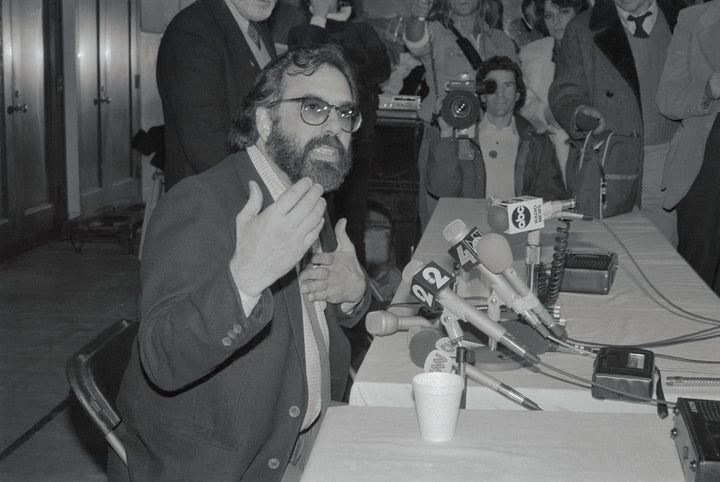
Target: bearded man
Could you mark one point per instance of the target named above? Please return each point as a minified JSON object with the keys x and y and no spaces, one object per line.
{"x":240,"y":347}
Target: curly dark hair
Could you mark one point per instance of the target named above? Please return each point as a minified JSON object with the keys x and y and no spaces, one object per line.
{"x":501,"y":62}
{"x":270,"y":85}
{"x":577,"y":5}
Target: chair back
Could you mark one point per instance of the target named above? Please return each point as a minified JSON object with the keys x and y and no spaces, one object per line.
{"x":95,"y":372}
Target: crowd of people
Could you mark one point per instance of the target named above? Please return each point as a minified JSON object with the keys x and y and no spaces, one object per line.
{"x":253,"y":261}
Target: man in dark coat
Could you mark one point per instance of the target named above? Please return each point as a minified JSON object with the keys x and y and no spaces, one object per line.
{"x":368,"y":55}
{"x":206,"y":63}
{"x":240,"y":346}
{"x":608,"y":67}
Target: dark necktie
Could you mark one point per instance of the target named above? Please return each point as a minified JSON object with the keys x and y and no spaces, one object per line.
{"x":254,"y":33}
{"x":639,"y":30}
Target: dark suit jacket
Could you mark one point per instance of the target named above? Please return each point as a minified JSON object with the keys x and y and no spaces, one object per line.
{"x":595,"y":67}
{"x":204,"y":69}
{"x":537,"y":171}
{"x":212,"y":394}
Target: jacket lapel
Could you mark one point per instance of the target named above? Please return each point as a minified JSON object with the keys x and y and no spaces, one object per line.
{"x":613,"y":43}
{"x":236,"y":43}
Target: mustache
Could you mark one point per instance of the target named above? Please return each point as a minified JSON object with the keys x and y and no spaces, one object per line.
{"x":326,"y":140}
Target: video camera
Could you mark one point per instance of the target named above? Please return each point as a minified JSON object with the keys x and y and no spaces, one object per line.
{"x":461,"y":106}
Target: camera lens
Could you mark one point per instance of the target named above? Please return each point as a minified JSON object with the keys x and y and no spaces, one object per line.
{"x":460,"y":108}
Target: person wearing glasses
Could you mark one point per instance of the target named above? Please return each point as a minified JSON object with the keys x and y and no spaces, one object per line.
{"x":245,"y":287}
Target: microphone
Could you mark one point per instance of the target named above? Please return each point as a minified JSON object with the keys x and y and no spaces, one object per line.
{"x":463,"y":242}
{"x":438,"y":360}
{"x":494,"y":252}
{"x":506,"y":391}
{"x":586,"y":123}
{"x":422,"y":341}
{"x":429,"y":283}
{"x":528,"y":213}
{"x":383,"y":323}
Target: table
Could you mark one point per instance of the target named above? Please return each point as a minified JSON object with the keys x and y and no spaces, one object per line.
{"x":627,"y":315}
{"x":381,"y":443}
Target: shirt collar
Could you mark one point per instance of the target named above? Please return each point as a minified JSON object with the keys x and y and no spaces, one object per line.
{"x":485,"y":125}
{"x":241,"y":21}
{"x":649,"y":22}
{"x":277,"y":184}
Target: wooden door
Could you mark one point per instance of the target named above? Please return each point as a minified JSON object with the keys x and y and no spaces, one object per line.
{"x":30,"y":199}
{"x":107,"y":164}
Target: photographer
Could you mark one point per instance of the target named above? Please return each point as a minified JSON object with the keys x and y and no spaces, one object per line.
{"x":434,"y":35}
{"x":500,"y":154}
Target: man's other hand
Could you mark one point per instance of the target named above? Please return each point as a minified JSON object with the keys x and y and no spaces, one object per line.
{"x":270,"y":243}
{"x":335,"y":277}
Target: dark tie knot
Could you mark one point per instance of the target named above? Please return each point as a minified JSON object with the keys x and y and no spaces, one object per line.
{"x":254,"y":33}
{"x":640,"y":32}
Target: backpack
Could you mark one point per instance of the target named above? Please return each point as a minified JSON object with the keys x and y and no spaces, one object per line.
{"x":605,"y":174}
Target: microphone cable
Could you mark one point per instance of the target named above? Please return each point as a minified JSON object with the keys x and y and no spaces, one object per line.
{"x":700,"y":335}
{"x":589,"y":383}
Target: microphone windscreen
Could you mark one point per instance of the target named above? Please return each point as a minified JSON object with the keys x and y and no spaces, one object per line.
{"x":421,"y":341}
{"x":497,"y":217}
{"x":411,"y":269}
{"x":455,"y":231}
{"x":376,"y":323}
{"x":494,"y":252}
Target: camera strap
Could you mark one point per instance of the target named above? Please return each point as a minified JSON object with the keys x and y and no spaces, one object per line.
{"x":468,"y":49}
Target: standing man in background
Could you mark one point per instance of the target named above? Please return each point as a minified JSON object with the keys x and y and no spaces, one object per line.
{"x":368,"y":55}
{"x":608,"y":67}
{"x":208,"y":59}
{"x":690,"y":91}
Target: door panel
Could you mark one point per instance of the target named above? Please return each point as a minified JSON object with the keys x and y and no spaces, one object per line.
{"x":28,"y":208}
{"x":88,"y":116}
{"x":107,"y":154}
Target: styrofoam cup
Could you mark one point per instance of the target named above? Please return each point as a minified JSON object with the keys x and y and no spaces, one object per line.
{"x":437,"y":404}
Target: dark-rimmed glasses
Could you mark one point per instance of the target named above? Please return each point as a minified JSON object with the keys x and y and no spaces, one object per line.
{"x":315,"y":112}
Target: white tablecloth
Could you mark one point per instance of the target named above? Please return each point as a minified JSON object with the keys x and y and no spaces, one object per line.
{"x":627,"y":315}
{"x":380,"y":443}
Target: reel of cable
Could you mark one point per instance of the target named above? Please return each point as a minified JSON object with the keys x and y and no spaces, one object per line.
{"x":557,"y":267}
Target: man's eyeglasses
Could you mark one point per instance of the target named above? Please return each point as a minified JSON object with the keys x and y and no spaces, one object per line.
{"x":315,"y":112}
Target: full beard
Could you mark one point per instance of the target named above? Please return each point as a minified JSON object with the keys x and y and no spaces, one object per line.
{"x":297,"y":162}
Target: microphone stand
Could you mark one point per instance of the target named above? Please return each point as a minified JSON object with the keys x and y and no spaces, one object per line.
{"x":532,"y":259}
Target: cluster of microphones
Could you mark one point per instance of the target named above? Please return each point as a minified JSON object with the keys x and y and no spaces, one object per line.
{"x":432,"y":285}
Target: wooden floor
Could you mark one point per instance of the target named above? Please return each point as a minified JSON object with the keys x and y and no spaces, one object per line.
{"x":52,"y":301}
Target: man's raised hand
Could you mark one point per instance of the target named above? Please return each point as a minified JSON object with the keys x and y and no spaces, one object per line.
{"x":270,"y":243}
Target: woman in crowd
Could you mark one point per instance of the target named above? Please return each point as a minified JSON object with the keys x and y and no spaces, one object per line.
{"x":538,"y":67}
{"x":429,"y":38}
